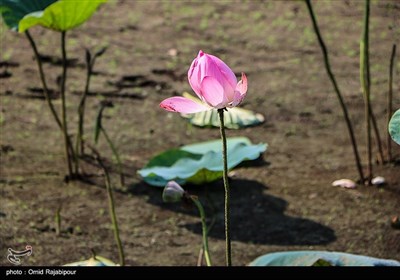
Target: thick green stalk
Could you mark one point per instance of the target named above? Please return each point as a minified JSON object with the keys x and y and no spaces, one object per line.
{"x":365,"y":82}
{"x":63,"y":105}
{"x":337,"y":90}
{"x":389,"y":103}
{"x":204,"y":229}
{"x":115,"y":152}
{"x":228,"y":252}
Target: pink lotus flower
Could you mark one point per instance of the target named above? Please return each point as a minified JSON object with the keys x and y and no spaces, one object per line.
{"x":213,"y":82}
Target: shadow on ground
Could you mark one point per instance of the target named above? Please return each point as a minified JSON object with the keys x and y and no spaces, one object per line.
{"x":256,"y":217}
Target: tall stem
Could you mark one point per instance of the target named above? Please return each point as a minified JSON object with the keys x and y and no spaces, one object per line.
{"x":43,"y":79}
{"x":228,"y":255}
{"x":63,"y":105}
{"x":81,"y":110}
{"x":204,"y":229}
{"x":377,"y":135}
{"x":112,"y":210}
{"x":115,"y":152}
{"x":365,"y":81}
{"x":337,"y":91}
{"x":46,"y":91}
{"x":389,"y":103}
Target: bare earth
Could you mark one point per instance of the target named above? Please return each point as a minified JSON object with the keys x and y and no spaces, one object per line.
{"x":283,"y":202}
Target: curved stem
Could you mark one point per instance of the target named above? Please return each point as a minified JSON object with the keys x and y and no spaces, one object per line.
{"x":337,"y":91}
{"x":46,"y":91}
{"x":227,"y":190}
{"x":112,"y":209}
{"x":63,"y":105}
{"x":43,"y":79}
{"x":115,"y":152}
{"x":204,"y":228}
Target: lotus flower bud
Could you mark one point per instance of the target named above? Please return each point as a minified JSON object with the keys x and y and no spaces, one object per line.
{"x":173,"y":192}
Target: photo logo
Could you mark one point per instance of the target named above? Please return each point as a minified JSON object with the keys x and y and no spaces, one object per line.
{"x":14,"y":256}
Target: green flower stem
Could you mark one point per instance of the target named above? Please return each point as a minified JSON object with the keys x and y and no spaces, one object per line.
{"x":337,"y":91}
{"x":389,"y":103}
{"x":63,"y":105}
{"x":228,"y":252}
{"x":44,"y":85}
{"x":365,"y":82}
{"x":43,"y":79}
{"x":112,"y":207}
{"x":114,"y":219}
{"x":204,"y":228}
{"x":115,"y":152}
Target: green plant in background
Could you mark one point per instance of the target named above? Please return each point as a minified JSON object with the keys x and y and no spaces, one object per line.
{"x":337,"y":90}
{"x":172,"y":193}
{"x":61,"y":16}
{"x":365,"y":79}
{"x":111,"y":204}
{"x":13,"y":11}
{"x":90,"y":60}
{"x":99,"y":128}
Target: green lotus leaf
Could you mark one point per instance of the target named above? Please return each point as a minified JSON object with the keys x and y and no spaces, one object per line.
{"x":62,"y":15}
{"x":394,"y":127}
{"x":198,"y":163}
{"x":12,"y":11}
{"x":317,"y":258}
{"x":234,"y":118}
{"x":93,"y":261}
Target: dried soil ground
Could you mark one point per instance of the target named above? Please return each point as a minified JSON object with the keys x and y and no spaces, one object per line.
{"x":284,"y":202}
